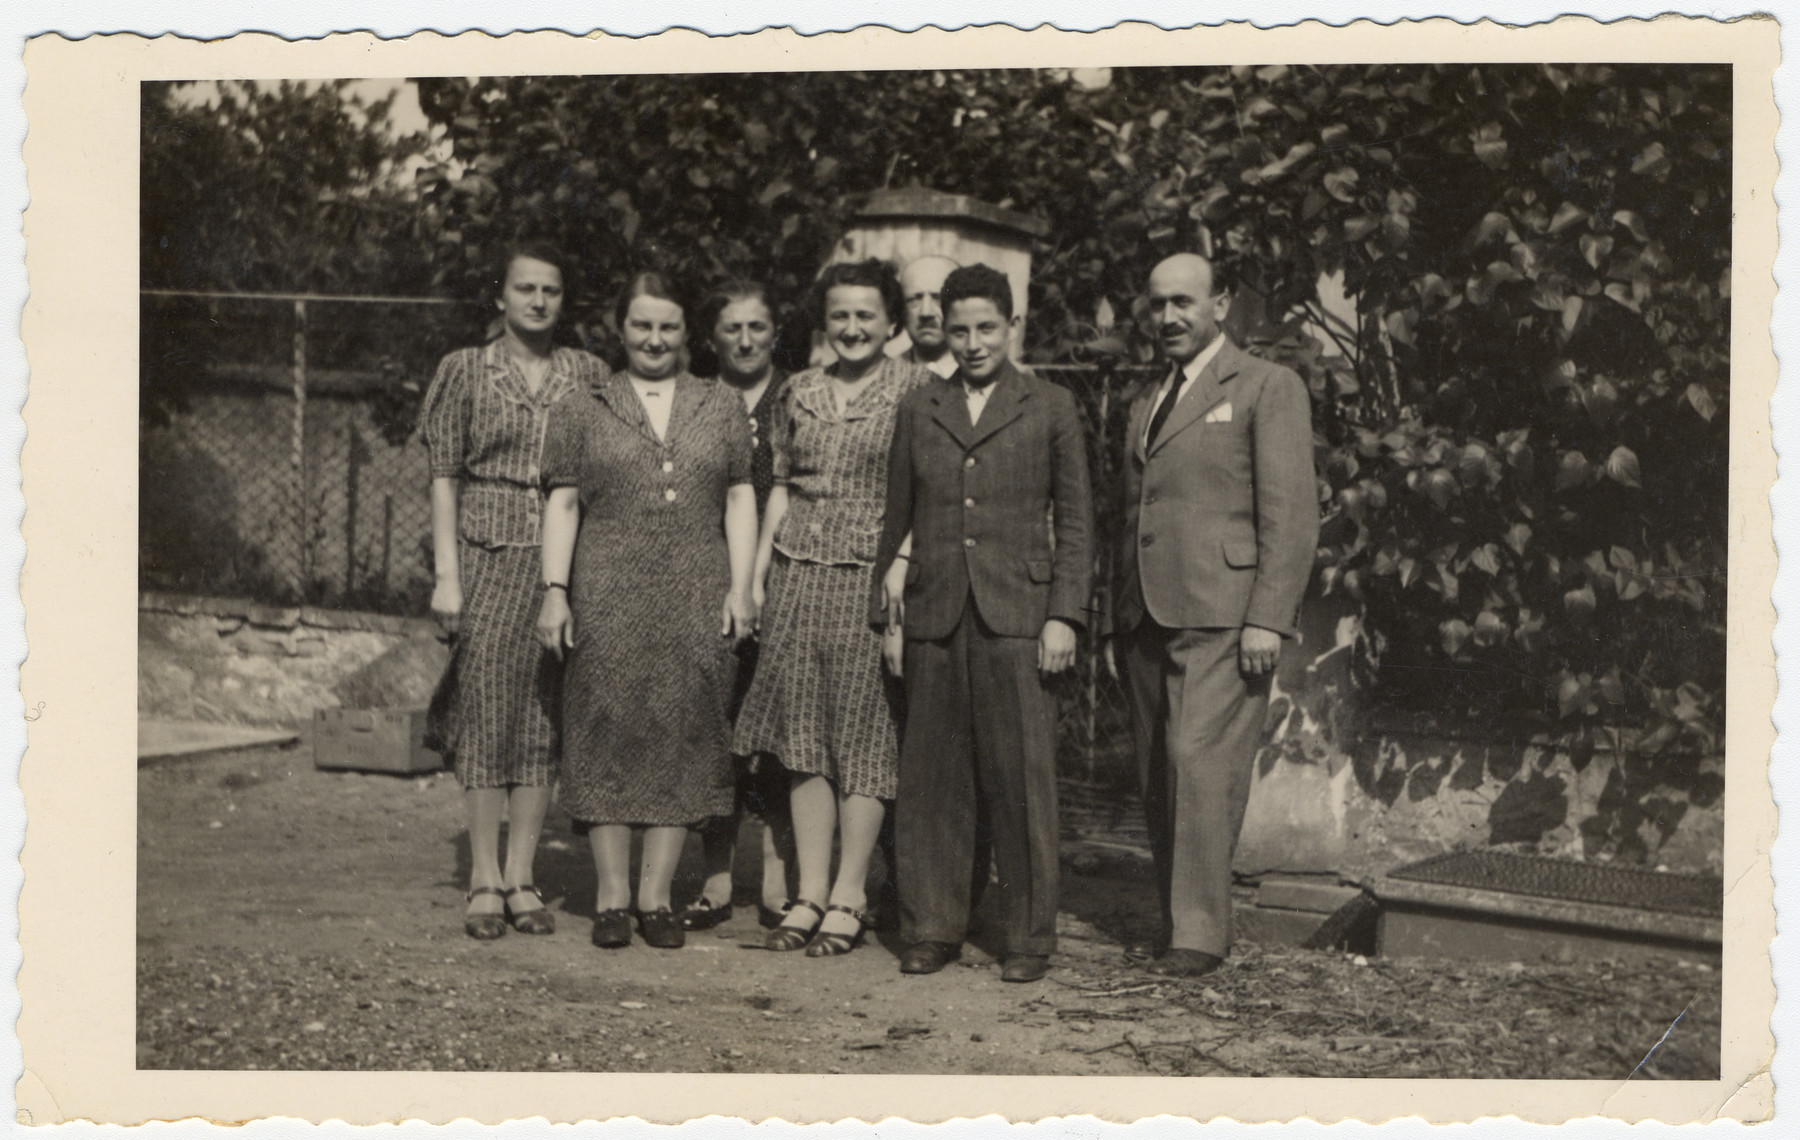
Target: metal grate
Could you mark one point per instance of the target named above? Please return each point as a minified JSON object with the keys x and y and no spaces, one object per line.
{"x":1574,"y":882}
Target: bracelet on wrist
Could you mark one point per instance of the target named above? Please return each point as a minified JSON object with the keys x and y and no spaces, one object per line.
{"x":563,"y":586}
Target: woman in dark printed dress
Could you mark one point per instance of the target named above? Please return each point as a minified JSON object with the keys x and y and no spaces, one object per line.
{"x":740,"y":323}
{"x":484,"y":419}
{"x":649,"y":542}
{"x":821,"y":699}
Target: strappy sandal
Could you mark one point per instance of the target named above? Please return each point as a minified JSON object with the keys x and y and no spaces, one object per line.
{"x":786,"y":937}
{"x":537,"y":920}
{"x":484,"y":927}
{"x":831,"y":943}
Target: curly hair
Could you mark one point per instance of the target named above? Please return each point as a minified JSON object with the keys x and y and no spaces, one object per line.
{"x":871,"y":273}
{"x":978,"y":282}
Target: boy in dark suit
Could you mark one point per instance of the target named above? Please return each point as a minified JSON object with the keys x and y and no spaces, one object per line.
{"x":988,"y":600}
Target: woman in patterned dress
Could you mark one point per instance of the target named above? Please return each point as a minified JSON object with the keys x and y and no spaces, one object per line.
{"x":821,"y":700}
{"x":484,"y":419}
{"x":740,"y":325}
{"x":649,"y":542}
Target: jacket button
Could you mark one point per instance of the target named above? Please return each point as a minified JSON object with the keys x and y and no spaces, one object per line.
{"x":668,"y":466}
{"x":669,"y":494}
{"x":968,"y":542}
{"x":968,"y":503}
{"x":969,"y":462}
{"x":1147,"y":540}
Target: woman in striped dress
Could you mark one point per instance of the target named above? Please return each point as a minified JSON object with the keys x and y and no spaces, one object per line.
{"x":821,"y":699}
{"x":484,"y":420}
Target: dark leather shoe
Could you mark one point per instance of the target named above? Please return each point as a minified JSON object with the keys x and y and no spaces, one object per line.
{"x":928,"y":957}
{"x":661,"y":928}
{"x":612,"y":929}
{"x":1184,"y":964}
{"x":1144,"y":949}
{"x":703,"y":915}
{"x":1025,"y":968}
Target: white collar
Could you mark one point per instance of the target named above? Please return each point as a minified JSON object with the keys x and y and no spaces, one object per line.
{"x":1191,"y":371}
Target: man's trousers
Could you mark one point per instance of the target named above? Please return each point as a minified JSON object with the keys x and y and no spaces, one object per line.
{"x":1196,"y":722}
{"x":980,"y":733}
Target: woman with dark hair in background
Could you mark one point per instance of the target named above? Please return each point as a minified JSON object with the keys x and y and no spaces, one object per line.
{"x":649,"y":542}
{"x":739,"y":323}
{"x":484,"y":420}
{"x":821,"y":700}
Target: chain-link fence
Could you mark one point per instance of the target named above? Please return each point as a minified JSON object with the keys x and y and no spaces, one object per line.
{"x":277,"y":455}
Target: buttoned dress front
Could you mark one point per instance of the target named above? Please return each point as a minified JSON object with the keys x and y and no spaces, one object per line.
{"x":822,"y":700}
{"x":646,"y":687}
{"x":485,"y":428}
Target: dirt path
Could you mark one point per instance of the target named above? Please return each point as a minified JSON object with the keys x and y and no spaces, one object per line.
{"x":294,"y":919}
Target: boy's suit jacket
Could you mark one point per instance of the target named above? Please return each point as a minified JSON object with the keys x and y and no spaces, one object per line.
{"x":1221,"y":514}
{"x":978,"y":500}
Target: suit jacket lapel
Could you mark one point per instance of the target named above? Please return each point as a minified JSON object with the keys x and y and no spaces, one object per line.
{"x":1207,"y":393}
{"x":951,"y":410}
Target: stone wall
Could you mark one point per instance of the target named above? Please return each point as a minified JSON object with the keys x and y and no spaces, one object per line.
{"x":1343,"y":786}
{"x":231,"y":661}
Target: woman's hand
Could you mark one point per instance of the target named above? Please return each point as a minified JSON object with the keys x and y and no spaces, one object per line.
{"x":737,"y":617}
{"x":893,"y":594}
{"x":893,"y":649}
{"x":446,"y":606}
{"x":555,"y":624}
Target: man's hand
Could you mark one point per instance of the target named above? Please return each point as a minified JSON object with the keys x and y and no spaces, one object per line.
{"x":1257,"y":650}
{"x":1056,"y":647}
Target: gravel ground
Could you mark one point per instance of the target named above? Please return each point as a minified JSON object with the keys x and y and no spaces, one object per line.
{"x":294,"y":919}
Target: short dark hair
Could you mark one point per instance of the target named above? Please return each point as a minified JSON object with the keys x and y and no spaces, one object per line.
{"x":648,"y":284}
{"x":871,"y":273}
{"x":977,"y":282}
{"x":728,"y":292}
{"x":536,"y":250}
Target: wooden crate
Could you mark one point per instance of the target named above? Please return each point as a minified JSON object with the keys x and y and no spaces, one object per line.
{"x":373,"y":740}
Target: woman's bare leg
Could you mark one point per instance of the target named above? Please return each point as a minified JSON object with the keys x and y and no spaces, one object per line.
{"x":860,"y":826}
{"x":482,"y":807}
{"x":526,"y":807}
{"x":611,"y":846}
{"x":662,"y":851}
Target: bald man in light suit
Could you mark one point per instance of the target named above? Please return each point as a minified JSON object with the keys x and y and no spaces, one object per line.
{"x":1220,"y":526}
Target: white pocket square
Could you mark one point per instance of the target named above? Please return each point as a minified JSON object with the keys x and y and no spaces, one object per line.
{"x":1220,"y":414}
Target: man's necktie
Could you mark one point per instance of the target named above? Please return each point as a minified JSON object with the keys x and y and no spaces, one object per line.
{"x":1161,"y":416}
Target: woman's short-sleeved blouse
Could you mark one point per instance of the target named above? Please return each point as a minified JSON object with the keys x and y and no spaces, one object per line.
{"x":834,"y":464}
{"x":484,"y":427}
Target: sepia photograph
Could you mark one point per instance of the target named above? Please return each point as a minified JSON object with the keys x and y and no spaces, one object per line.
{"x":1135,"y":569}
{"x":488,"y":722}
